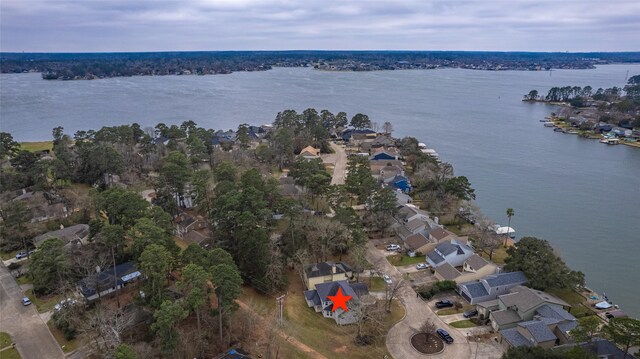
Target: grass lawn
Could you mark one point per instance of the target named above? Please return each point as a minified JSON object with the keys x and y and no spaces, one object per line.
{"x":578,"y":309}
{"x":10,"y":353}
{"x":66,"y":345}
{"x":5,"y":340}
{"x":499,"y":255}
{"x":36,"y":146}
{"x":450,"y":311}
{"x":44,"y":303}
{"x":400,"y":260}
{"x":377,"y":284}
{"x":180,"y":242}
{"x":463,"y":324}
{"x":261,"y":303}
{"x":24,"y":279}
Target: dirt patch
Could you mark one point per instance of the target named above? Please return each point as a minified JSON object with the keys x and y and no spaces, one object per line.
{"x":342,"y":349}
{"x":427,"y":343}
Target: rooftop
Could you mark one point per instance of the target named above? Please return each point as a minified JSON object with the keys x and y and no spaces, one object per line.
{"x":526,"y":299}
{"x":416,"y":241}
{"x":506,"y":278}
{"x":325,"y":269}
{"x":476,"y":262}
{"x":440,"y":233}
{"x":538,"y":330}
{"x":505,"y":316}
{"x":448,"y":272}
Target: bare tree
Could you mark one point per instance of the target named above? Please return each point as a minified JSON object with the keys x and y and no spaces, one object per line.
{"x":387,"y":127}
{"x":301,"y":259}
{"x":369,"y":323}
{"x":391,"y":292}
{"x":486,"y":240}
{"x":428,"y":327}
{"x":105,"y":326}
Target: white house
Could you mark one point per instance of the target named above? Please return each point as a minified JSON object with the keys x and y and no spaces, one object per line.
{"x":453,"y":252}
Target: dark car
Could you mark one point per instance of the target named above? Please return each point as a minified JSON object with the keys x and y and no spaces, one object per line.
{"x":444,"y":304}
{"x":470,"y":313}
{"x":444,"y":335}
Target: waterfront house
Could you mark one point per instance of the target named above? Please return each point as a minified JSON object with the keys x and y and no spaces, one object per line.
{"x":383,"y":141}
{"x":398,"y":182}
{"x":474,"y":268}
{"x":601,"y":348}
{"x":318,"y":300}
{"x":108,"y":281}
{"x":490,"y":287}
{"x":348,"y":134}
{"x":385,"y":155}
{"x":440,"y":235}
{"x":452,"y":252}
{"x":387,"y":172}
{"x":326,"y":272}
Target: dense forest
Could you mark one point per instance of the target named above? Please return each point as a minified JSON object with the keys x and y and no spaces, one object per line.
{"x":69,"y":66}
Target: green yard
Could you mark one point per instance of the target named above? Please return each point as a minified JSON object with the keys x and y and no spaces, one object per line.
{"x":67,"y":345}
{"x":5,"y":340}
{"x":36,"y":146}
{"x":450,"y":311}
{"x":43,"y":303}
{"x":400,"y":260}
{"x":10,"y":353}
{"x":376,"y":284}
{"x":578,"y":308}
{"x":463,"y":324}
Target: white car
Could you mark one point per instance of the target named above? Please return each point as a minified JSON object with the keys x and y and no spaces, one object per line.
{"x":387,"y":279}
{"x":422,"y":266}
{"x":393,"y":247}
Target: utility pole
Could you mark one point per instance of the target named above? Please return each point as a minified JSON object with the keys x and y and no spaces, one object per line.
{"x":280,"y":301}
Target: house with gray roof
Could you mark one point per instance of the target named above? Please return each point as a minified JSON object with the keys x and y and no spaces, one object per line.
{"x":72,"y":235}
{"x":549,"y":326}
{"x":490,"y":287}
{"x":602,"y":348}
{"x":318,"y":300}
{"x":326,"y":272}
{"x":474,"y":268}
{"x":453,"y":252}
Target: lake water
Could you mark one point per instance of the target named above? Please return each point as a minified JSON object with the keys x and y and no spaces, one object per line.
{"x":582,"y":196}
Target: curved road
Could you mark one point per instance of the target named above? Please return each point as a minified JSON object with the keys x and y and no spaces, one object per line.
{"x":339,"y":171}
{"x":31,"y":335}
{"x":398,"y":338}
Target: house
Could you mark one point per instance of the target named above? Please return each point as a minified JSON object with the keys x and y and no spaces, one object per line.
{"x":418,"y":243}
{"x":383,"y":141}
{"x":108,"y":281}
{"x":186,"y":223}
{"x":451,"y":252}
{"x":377,"y":165}
{"x":474,"y":268}
{"x":402,"y":198}
{"x":490,"y":287}
{"x":398,"y":182}
{"x":75,"y":234}
{"x":384,"y":155}
{"x":550,"y":326}
{"x":521,"y":304}
{"x":390,"y":171}
{"x":602,"y":348}
{"x":440,"y":235}
{"x":348,"y":134}
{"x":318,"y":300}
{"x":326,"y":272}
{"x":310,"y":153}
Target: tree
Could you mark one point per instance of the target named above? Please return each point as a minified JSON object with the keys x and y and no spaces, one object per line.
{"x":360,"y":121}
{"x":624,"y":332}
{"x":311,"y":174}
{"x":155,"y":263}
{"x":587,"y":328}
{"x":121,"y":206}
{"x":381,"y":207}
{"x":176,"y":171}
{"x":97,"y":160}
{"x":341,"y":119}
{"x":145,"y":233}
{"x":391,"y":292}
{"x":8,"y":147}
{"x":228,"y":284}
{"x":543,"y":268}
{"x":532,"y":96}
{"x":15,"y":216}
{"x":282,"y":143}
{"x":242,"y":135}
{"x":387,"y":127}
{"x":164,"y":325}
{"x":49,"y":266}
{"x":126,"y":352}
{"x":195,"y":287}
{"x":359,"y":181}
{"x":510,"y":213}
{"x":536,"y":352}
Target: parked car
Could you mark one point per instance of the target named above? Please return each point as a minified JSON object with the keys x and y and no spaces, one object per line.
{"x":422,"y":266}
{"x":470,"y":313}
{"x":387,"y":279}
{"x":444,"y":304}
{"x":444,"y":335}
{"x":393,"y":247}
{"x":23,"y":254}
{"x":26,"y":301}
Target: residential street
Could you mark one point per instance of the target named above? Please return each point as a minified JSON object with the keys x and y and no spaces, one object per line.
{"x":339,"y":172}
{"x":31,"y":335}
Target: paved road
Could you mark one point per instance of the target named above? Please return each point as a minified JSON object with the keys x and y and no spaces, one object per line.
{"x":31,"y":335}
{"x":398,"y":338}
{"x":339,"y":171}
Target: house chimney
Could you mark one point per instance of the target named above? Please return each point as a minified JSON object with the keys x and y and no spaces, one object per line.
{"x":333,"y":268}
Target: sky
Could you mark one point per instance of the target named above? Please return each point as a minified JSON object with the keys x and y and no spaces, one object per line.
{"x":198,"y":25}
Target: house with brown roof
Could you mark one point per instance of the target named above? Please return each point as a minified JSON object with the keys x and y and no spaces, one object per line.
{"x":474,"y":268}
{"x":185,"y":223}
{"x":440,"y":235}
{"x":310,"y":153}
{"x":419,"y":244}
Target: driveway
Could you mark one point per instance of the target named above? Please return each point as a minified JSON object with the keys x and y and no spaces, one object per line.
{"x":340,"y":168}
{"x":399,"y":336}
{"x":31,"y":335}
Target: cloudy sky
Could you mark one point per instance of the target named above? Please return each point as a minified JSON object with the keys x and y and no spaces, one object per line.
{"x":158,"y":25}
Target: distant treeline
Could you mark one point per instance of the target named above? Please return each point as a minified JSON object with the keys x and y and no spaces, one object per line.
{"x":70,"y":66}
